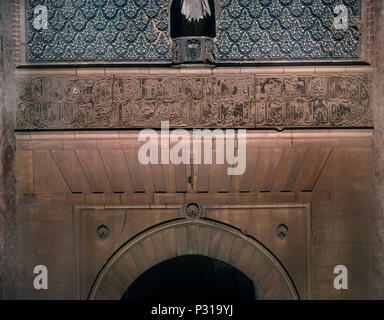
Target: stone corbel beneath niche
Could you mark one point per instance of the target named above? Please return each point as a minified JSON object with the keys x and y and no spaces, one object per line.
{"x":193,"y":51}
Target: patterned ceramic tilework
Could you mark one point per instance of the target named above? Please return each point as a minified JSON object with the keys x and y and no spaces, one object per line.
{"x":137,"y":31}
{"x":110,"y":30}
{"x":266,"y":30}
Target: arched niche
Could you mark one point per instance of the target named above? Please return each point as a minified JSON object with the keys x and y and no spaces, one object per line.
{"x":184,"y":26}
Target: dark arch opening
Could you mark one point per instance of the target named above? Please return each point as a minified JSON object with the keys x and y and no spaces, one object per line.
{"x":182,"y":27}
{"x":191,"y":277}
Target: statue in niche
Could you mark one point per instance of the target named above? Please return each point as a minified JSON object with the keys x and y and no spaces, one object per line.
{"x":193,"y":18}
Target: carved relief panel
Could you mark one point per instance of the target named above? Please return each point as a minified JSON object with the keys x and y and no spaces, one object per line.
{"x":194,"y":101}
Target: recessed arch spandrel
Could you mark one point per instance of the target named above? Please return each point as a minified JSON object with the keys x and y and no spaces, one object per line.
{"x":232,"y":247}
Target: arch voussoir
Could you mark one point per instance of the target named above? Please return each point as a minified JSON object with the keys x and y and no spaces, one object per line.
{"x":112,"y":286}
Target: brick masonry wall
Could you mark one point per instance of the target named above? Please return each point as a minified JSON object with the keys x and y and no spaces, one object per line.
{"x":378,"y":95}
{"x":367,"y":31}
{"x":7,"y":146}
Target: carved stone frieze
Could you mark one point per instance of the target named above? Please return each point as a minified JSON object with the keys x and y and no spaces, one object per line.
{"x":246,"y":101}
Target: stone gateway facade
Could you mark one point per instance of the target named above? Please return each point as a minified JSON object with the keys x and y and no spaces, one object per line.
{"x":83,"y":217}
